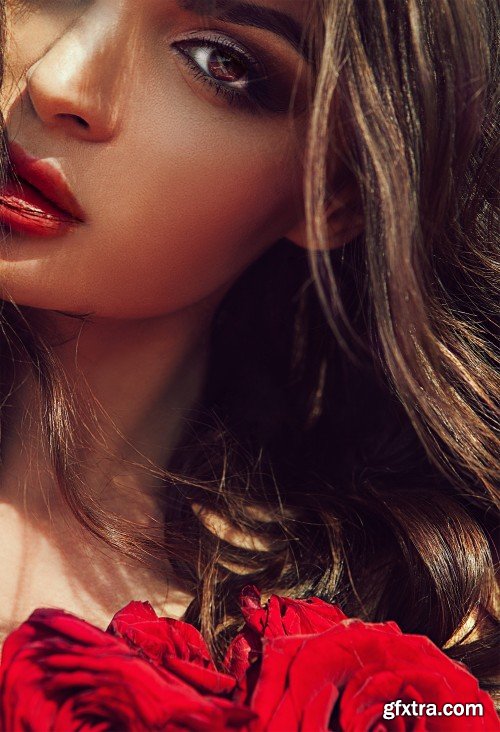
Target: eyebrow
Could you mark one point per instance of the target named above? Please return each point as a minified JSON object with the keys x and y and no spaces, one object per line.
{"x":257,"y":16}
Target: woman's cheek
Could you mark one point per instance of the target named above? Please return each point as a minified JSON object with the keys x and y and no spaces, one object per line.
{"x":191,"y":229}
{"x":171,"y":235}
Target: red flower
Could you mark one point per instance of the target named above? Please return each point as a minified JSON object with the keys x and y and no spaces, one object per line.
{"x":299,"y":665}
{"x":280,"y":616}
{"x":62,"y":674}
{"x":172,"y":645}
{"x":342,"y":678}
{"x":285,"y":616}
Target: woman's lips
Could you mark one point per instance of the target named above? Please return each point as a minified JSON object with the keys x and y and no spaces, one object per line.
{"x":37,"y":200}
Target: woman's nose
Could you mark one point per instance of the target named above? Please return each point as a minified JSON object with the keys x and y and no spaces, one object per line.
{"x":77,"y":85}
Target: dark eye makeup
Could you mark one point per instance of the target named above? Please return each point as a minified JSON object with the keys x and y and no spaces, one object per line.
{"x":232,"y":72}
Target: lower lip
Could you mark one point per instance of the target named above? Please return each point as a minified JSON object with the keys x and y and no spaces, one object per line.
{"x":24,"y":210}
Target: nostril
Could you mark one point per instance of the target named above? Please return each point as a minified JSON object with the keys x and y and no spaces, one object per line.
{"x":75,"y":118}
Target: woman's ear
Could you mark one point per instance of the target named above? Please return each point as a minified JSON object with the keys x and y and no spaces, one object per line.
{"x":344,"y":222}
{"x":339,"y":233}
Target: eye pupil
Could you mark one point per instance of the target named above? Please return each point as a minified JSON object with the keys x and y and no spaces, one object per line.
{"x":224,"y":67}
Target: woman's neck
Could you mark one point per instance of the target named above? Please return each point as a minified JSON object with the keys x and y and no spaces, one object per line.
{"x":144,"y":377}
{"x":130,"y":383}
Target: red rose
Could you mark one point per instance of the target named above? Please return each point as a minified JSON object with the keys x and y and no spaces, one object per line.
{"x":172,"y":645}
{"x":301,"y":665}
{"x":61,"y":674}
{"x":340,"y":679}
{"x":280,"y":616}
{"x":285,"y":616}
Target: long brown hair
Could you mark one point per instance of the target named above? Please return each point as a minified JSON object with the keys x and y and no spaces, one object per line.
{"x":347,"y":428}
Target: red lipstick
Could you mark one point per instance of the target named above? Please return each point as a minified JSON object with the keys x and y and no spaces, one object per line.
{"x":37,"y":200}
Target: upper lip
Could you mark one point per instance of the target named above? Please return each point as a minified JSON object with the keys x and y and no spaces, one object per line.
{"x":46,"y":178}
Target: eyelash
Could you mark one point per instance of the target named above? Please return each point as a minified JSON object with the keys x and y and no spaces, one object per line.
{"x":254,"y":97}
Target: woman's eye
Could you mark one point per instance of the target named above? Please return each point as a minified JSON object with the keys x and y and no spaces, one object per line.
{"x":228,"y":70}
{"x":221,"y":65}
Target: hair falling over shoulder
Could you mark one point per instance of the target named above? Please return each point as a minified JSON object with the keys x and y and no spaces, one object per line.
{"x":347,"y":430}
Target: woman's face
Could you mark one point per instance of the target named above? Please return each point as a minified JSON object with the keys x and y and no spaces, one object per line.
{"x":171,"y":129}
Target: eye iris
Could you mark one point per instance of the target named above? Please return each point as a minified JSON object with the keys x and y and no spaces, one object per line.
{"x":224,"y":67}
